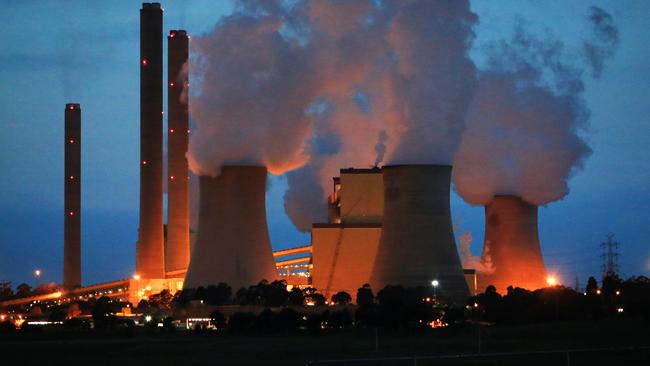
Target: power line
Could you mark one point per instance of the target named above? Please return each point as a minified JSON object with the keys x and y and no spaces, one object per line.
{"x":610,"y":256}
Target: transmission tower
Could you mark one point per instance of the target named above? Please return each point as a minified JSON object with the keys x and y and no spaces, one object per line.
{"x":610,"y":256}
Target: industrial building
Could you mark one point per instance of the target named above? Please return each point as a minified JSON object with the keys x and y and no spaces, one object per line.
{"x":389,"y":226}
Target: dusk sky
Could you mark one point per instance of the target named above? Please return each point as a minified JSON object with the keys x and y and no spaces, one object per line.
{"x":87,"y":52}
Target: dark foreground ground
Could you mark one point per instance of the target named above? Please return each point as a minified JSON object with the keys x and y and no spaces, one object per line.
{"x":607,"y":342}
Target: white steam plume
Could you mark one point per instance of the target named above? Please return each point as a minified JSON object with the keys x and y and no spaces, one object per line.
{"x":255,"y":83}
{"x":524,"y":123}
{"x":482,"y":264}
{"x":396,"y":81}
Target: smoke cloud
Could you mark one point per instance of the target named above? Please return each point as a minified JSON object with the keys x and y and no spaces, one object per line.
{"x":523,"y":133}
{"x":255,"y":83}
{"x":604,"y":41}
{"x":482,"y":264}
{"x":395,"y":82}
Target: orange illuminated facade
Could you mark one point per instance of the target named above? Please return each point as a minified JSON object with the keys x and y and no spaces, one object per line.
{"x":512,"y":243}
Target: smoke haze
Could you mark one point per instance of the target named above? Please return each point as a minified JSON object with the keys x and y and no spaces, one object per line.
{"x":524,"y":125}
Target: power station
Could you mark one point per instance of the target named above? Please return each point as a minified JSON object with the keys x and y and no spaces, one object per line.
{"x":386,"y":226}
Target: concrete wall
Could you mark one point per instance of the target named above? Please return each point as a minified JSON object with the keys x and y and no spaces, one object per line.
{"x":352,"y":265}
{"x":512,"y":242}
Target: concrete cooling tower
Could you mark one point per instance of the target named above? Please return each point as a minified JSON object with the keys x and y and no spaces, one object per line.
{"x":417,"y":241}
{"x":512,"y":244}
{"x":233,"y":243}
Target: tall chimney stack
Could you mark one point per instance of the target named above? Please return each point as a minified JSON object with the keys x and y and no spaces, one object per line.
{"x":417,"y":242}
{"x":72,"y":198}
{"x":150,"y":261}
{"x":233,"y":244}
{"x":177,"y":253}
{"x":512,"y":243}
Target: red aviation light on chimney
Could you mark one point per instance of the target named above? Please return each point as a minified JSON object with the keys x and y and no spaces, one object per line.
{"x":172,"y":35}
{"x":144,"y":62}
{"x":71,"y":107}
{"x":171,"y":130}
{"x":144,"y":162}
{"x":71,"y":213}
{"x":71,"y":141}
{"x":72,"y":177}
{"x":171,"y":177}
{"x":171,"y":85}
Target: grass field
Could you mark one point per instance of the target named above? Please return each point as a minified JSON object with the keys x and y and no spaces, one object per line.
{"x":614,"y":341}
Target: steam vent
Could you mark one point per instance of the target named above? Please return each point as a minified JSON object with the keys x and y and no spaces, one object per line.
{"x":512,"y":243}
{"x":417,"y":241}
{"x":233,"y":243}
{"x":72,"y":198}
{"x":150,"y":261}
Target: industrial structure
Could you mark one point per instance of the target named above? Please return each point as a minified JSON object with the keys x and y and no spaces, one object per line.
{"x":386,"y":226}
{"x":232,"y":244}
{"x":365,"y":203}
{"x":512,"y":245}
{"x":344,"y":248}
{"x":417,"y":244}
{"x":177,"y":246}
{"x":72,"y":198}
{"x":150,"y":261}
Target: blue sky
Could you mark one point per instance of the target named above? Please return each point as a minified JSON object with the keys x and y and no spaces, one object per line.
{"x":87,"y":52}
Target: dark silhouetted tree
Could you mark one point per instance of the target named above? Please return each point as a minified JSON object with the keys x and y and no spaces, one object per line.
{"x":341,"y":298}
{"x":23,"y":290}
{"x":217,"y":319}
{"x":296,"y":297}
{"x":365,"y":295}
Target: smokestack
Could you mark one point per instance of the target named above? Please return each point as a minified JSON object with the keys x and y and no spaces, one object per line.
{"x":72,"y":211}
{"x":233,"y":243}
{"x":177,"y":251}
{"x":417,"y":242}
{"x":150,"y":260}
{"x":512,"y":243}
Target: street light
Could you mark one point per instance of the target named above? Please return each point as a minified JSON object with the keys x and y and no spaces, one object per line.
{"x":37,"y":273}
{"x":435,"y":284}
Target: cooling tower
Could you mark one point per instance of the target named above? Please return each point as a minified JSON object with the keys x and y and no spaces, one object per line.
{"x":72,"y":198}
{"x":150,"y":256}
{"x":233,"y":243}
{"x":177,"y":250}
{"x":417,"y":241}
{"x":512,"y":243}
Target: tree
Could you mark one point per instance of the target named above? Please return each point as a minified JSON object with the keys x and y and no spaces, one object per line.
{"x":365,"y":296}
{"x":341,"y":298}
{"x":162,"y":300}
{"x":102,"y":312}
{"x":23,"y":290}
{"x":217,"y":319}
{"x":6,"y":293}
{"x":592,"y":286}
{"x":312,"y":296}
{"x":296,"y":297}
